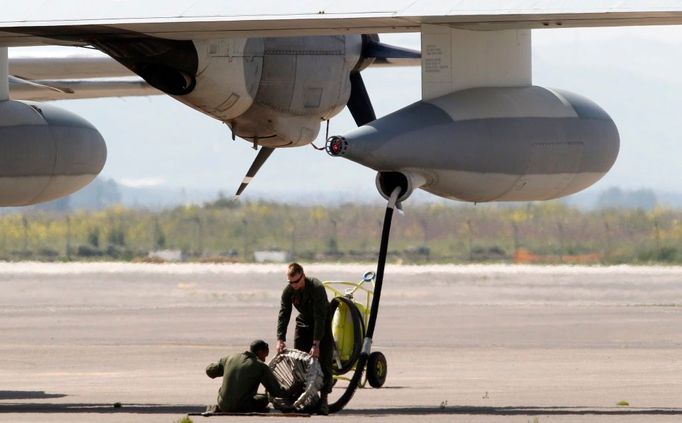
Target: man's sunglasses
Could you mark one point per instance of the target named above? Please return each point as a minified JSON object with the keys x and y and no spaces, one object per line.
{"x":297,"y":280}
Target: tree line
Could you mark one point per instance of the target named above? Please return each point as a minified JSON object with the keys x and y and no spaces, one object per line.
{"x":447,"y":232}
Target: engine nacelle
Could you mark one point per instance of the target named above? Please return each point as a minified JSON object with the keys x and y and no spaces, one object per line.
{"x":228,"y":76}
{"x":275,"y":91}
{"x":488,"y":144}
{"x":45,"y":153}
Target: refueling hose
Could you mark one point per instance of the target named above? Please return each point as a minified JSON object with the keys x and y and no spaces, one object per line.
{"x":367,"y":343}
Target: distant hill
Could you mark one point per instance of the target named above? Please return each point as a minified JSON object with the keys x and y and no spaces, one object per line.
{"x":103,"y":193}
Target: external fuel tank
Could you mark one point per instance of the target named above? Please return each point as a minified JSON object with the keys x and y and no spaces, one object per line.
{"x":488,"y":144}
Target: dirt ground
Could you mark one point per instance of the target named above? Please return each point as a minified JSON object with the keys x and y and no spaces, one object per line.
{"x":464,"y":343}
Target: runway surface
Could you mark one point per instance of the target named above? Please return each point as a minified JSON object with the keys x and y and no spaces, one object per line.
{"x":464,"y":343}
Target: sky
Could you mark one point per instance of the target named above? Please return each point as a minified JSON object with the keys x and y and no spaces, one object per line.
{"x":635,"y":74}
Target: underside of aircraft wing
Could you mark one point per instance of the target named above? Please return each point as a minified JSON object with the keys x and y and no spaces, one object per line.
{"x":72,"y":67}
{"x":73,"y":77}
{"x":72,"y":89}
{"x":73,"y":22}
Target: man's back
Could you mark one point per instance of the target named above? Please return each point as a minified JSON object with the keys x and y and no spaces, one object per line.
{"x":242,"y":373}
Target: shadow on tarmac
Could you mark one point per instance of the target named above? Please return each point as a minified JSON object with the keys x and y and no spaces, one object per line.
{"x":514,"y":411}
{"x":21,"y":395}
{"x":100,"y":408}
{"x":405,"y":411}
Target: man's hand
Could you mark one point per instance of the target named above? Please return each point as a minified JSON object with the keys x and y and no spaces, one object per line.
{"x":315,"y":351}
{"x":281,"y":345}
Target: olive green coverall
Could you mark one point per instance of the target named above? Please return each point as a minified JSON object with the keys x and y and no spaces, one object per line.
{"x":242,"y":373}
{"x":311,"y":323}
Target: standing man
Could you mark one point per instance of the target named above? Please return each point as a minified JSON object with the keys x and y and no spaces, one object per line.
{"x":242,"y":374}
{"x":312,"y":334}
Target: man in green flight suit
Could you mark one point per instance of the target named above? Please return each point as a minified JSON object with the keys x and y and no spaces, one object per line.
{"x":242,"y":374}
{"x":312,"y":334}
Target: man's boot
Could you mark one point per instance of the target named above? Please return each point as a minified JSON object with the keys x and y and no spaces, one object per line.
{"x":211,"y":409}
{"x":323,"y":409}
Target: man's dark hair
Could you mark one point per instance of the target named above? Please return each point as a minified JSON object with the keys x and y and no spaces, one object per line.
{"x":295,"y":269}
{"x":258,"y":345}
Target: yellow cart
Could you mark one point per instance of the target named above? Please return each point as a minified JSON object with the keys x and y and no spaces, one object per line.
{"x":349,"y":312}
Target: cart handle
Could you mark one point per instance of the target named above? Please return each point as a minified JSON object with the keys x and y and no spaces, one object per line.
{"x":369,"y":277}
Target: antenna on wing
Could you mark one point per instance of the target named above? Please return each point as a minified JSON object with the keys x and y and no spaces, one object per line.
{"x":262,"y":156}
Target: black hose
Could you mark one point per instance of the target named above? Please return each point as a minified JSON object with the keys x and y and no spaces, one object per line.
{"x":374,"y":311}
{"x":383,"y":251}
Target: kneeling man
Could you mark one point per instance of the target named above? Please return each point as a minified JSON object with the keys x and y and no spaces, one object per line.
{"x":242,"y":374}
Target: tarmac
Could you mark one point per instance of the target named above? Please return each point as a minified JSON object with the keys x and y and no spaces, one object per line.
{"x":474,"y":343}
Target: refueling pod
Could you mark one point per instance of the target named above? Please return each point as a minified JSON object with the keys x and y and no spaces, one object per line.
{"x":488,"y":144}
{"x":45,"y":153}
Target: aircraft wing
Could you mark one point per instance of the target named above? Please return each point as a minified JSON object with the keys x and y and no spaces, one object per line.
{"x":71,"y":89}
{"x":74,"y":22}
{"x":73,"y":67}
{"x":73,"y":77}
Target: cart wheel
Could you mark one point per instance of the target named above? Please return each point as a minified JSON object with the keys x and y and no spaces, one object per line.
{"x":358,"y":333}
{"x":376,"y":369}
